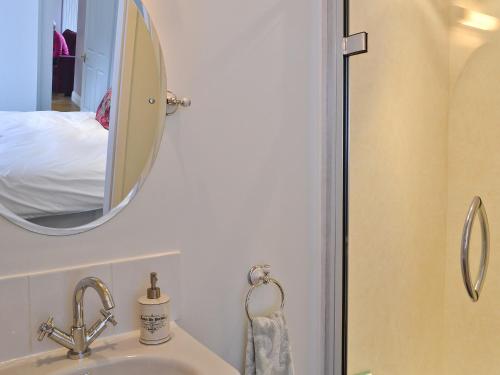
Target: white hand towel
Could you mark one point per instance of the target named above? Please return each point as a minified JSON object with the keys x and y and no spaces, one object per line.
{"x":268,"y":347}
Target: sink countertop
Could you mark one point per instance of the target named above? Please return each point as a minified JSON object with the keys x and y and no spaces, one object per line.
{"x":181,"y":350}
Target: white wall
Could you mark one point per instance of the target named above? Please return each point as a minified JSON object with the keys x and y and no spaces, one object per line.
{"x":18,"y":63}
{"x":55,"y":14}
{"x":69,"y":17}
{"x":237,"y":181}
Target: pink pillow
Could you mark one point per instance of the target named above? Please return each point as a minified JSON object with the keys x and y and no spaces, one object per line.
{"x":102,"y":114}
{"x":60,"y":47}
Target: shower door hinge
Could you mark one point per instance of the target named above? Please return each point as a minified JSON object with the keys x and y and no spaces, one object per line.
{"x":355,"y":44}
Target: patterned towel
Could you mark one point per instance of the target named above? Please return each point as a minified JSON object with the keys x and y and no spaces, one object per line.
{"x":268,"y":347}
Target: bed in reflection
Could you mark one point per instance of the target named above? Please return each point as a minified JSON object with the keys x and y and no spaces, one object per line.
{"x":52,"y":166}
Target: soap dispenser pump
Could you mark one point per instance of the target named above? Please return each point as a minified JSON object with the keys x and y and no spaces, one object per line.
{"x":154,"y":315}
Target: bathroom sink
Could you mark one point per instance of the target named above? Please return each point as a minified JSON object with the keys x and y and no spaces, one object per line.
{"x":124,"y":355}
{"x":132,"y":366}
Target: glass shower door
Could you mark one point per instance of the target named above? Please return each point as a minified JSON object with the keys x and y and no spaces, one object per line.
{"x":424,"y":132}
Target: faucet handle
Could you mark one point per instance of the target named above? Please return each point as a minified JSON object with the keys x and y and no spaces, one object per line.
{"x":108,"y":317}
{"x":45,"y":328}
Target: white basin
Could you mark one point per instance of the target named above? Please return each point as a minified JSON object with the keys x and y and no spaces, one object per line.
{"x":142,"y":365}
{"x":124,"y":355}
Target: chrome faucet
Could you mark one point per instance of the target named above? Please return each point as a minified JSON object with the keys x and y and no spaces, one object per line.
{"x":79,"y":340}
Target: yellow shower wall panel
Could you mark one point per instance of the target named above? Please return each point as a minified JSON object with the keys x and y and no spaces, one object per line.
{"x":473,"y":329}
{"x":398,"y":187}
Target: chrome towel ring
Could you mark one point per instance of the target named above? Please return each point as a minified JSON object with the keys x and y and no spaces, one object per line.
{"x":476,"y":208}
{"x":258,"y":276}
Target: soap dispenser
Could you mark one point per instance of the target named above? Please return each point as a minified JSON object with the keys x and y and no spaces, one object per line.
{"x":154,"y":315}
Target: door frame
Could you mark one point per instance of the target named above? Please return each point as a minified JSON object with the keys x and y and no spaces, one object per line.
{"x":335,"y":186}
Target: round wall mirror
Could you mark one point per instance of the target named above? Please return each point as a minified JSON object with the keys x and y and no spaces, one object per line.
{"x":82,"y":110}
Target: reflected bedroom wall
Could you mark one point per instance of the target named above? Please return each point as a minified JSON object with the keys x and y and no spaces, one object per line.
{"x":19,"y":74}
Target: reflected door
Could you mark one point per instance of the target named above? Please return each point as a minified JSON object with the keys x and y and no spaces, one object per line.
{"x":99,"y":39}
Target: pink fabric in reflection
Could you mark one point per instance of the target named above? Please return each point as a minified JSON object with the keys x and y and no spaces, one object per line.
{"x":60,"y":45}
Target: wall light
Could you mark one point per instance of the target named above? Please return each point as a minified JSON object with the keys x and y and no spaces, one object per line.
{"x":479,"y":20}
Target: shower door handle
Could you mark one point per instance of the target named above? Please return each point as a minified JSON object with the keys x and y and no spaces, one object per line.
{"x":476,"y":208}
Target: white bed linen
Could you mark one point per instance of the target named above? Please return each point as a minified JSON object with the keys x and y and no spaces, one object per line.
{"x":51,"y":163}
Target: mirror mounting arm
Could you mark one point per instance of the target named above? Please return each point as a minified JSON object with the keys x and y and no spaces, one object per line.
{"x":175,"y":102}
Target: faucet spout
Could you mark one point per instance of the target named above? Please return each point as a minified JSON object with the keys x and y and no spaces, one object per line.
{"x":101,"y":289}
{"x":80,"y":338}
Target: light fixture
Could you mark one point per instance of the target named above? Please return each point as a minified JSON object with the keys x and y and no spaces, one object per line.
{"x":479,"y":20}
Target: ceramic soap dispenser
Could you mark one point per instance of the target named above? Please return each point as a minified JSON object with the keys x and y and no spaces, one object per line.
{"x":154,"y":315}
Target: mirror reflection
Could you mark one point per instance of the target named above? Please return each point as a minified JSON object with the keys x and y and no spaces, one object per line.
{"x":81,"y":110}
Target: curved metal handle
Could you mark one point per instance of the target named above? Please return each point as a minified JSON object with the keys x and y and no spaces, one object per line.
{"x":477,"y":207}
{"x":109,"y":317}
